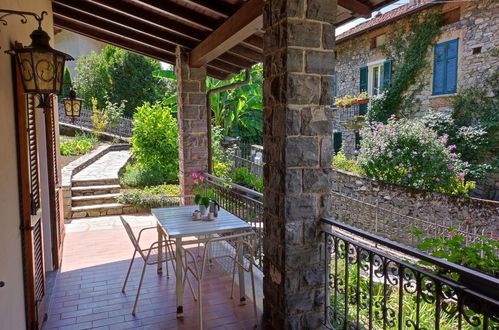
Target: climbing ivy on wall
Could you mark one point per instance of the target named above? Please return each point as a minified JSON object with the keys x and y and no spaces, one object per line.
{"x":408,"y":50}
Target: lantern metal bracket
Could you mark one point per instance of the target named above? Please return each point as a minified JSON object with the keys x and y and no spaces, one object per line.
{"x":23,"y":14}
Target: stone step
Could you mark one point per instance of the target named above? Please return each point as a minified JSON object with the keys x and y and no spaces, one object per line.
{"x":98,"y":210}
{"x":94,"y":199}
{"x":95,"y":182}
{"x":95,"y":190}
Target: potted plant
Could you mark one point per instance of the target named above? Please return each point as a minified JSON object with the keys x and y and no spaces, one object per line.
{"x":361,"y":98}
{"x":344,"y":102}
{"x":203,"y":193}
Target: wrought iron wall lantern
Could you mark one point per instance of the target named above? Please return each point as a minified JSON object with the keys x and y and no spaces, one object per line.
{"x":72,"y":105}
{"x":41,"y":66}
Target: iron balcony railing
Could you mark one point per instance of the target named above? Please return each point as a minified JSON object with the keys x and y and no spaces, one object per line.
{"x":374,"y":283}
{"x":245,"y":203}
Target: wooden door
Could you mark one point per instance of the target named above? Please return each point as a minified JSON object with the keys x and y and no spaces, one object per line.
{"x":30,"y":203}
{"x":55,"y":188}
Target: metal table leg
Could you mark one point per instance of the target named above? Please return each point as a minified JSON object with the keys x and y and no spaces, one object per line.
{"x":179,"y":275}
{"x":240,"y":258}
{"x":160,"y":248}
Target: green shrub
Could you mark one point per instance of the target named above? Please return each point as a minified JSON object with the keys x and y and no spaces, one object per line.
{"x":136,"y":175}
{"x":341,"y":162}
{"x":408,"y":153}
{"x":480,"y":255}
{"x":243,"y":177}
{"x":150,"y":197}
{"x":155,"y":141}
{"x":221,"y":164}
{"x":80,"y":145}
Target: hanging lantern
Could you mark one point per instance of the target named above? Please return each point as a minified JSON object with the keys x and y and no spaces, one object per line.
{"x":72,"y":105}
{"x":41,"y":66}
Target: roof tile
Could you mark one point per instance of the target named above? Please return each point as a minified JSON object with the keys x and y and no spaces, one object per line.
{"x":380,"y":19}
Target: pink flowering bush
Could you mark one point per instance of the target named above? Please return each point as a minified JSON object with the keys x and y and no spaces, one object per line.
{"x":408,"y":153}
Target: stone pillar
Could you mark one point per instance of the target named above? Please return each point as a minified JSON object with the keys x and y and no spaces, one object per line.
{"x":192,"y":120}
{"x":298,"y":72}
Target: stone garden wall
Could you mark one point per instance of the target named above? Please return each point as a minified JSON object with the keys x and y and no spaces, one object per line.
{"x":388,"y":209}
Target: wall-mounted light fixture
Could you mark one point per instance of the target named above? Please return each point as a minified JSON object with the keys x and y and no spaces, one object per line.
{"x":41,"y":66}
{"x":72,"y":105}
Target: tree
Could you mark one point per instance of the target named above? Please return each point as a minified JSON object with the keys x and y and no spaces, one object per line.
{"x":67,"y":84}
{"x":121,"y":75}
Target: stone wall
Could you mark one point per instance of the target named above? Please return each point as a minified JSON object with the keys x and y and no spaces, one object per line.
{"x":298,"y":77}
{"x":192,"y":120}
{"x":478,"y":27}
{"x":402,"y":207}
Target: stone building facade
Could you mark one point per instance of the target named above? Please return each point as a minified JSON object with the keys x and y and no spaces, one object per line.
{"x":473,"y":24}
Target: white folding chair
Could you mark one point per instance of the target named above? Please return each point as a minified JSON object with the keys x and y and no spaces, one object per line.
{"x":150,"y":256}
{"x":228,"y":248}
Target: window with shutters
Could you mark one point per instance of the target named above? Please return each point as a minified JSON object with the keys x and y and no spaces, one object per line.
{"x":379,"y":75}
{"x":374,"y":78}
{"x":337,"y":141}
{"x":445,"y":67}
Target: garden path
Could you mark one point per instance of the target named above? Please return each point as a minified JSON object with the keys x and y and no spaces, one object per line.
{"x":105,"y":168}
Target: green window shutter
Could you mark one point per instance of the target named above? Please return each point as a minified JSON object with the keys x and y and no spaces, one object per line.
{"x":387,"y":74}
{"x":357,"y":140}
{"x":363,"y":79}
{"x":337,"y":141}
{"x":364,"y":72}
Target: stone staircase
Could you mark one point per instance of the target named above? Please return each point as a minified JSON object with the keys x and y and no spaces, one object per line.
{"x":94,"y":188}
{"x":93,"y":198}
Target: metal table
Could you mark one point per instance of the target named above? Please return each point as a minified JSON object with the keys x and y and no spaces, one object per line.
{"x":177,"y":223}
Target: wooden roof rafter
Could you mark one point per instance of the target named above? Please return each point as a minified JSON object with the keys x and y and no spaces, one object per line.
{"x":244,"y":23}
{"x":225,"y":35}
{"x":126,"y":43}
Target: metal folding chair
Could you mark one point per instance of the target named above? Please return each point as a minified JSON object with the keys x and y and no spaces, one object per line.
{"x":223,"y":253}
{"x":150,"y":256}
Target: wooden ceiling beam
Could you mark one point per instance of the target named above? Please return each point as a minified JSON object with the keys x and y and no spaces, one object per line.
{"x":244,"y":23}
{"x":112,"y":39}
{"x":122,"y":8}
{"x":184,"y":13}
{"x":216,"y":6}
{"x":130,"y":45}
{"x":105,"y":13}
{"x":138,"y":10}
{"x":199,"y":19}
{"x":356,"y":7}
{"x":113,"y":27}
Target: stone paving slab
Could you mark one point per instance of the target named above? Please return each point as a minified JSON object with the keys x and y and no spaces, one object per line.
{"x":109,"y":222}
{"x":105,"y":168}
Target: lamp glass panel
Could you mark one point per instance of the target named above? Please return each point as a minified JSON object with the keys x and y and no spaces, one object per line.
{"x":26,"y":68}
{"x":59,"y":73}
{"x":76,"y":108}
{"x":68,"y":107}
{"x":45,"y":70}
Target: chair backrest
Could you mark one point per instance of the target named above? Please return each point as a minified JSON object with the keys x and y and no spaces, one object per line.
{"x":227,"y":246}
{"x":131,"y":235}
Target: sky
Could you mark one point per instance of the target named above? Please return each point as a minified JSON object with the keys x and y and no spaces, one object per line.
{"x":351,"y":24}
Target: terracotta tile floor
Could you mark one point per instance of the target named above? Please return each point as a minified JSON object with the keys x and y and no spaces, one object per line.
{"x":87,"y":293}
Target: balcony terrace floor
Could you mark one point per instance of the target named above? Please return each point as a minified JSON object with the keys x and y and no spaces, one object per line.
{"x":87,"y":292}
